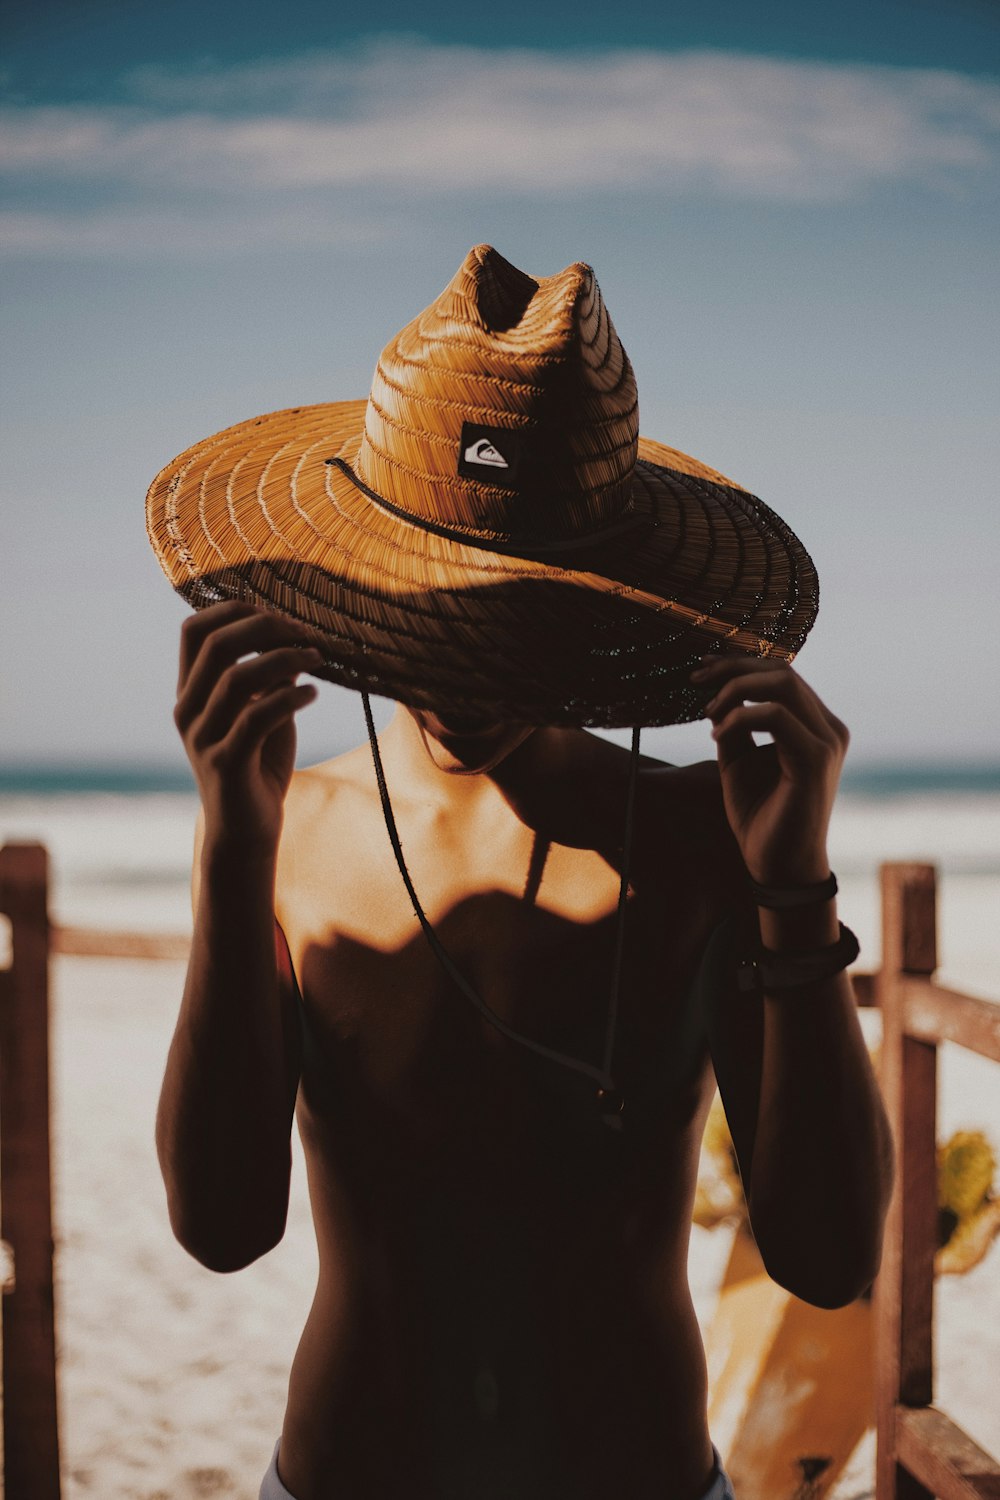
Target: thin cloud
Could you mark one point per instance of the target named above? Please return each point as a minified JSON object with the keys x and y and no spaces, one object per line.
{"x":150,"y":231}
{"x":408,"y":117}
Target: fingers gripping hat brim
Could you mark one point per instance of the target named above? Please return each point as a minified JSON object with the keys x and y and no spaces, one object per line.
{"x":600,"y":630}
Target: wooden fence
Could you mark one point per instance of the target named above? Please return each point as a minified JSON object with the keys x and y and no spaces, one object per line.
{"x":30,"y":1426}
{"x":921,"y":1452}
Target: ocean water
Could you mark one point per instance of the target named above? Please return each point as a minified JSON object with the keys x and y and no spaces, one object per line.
{"x":120,"y":843}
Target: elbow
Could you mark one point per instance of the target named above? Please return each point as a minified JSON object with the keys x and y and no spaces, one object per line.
{"x":225,"y":1261}
{"x":828,"y":1286}
{"x":225,"y":1241}
{"x":224,"y":1253}
{"x":829,"y":1293}
{"x":224,"y":1225}
{"x":829,"y":1256}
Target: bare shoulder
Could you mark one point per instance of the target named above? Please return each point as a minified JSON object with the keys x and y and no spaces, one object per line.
{"x":674,"y":788}
{"x":313,"y":786}
{"x":680,"y":817}
{"x":681,"y":809}
{"x":318,"y":804}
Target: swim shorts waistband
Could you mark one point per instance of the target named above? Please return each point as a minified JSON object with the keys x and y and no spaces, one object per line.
{"x":272,"y":1488}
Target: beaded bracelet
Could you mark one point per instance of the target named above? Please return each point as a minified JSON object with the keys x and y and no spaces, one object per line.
{"x":781,"y":898}
{"x":796,"y":968}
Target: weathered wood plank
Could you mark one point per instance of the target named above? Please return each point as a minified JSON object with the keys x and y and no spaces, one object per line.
{"x":944,"y":1458}
{"x":865,"y":987}
{"x":918,"y":1177}
{"x":30,"y":1418}
{"x":936,"y":1014}
{"x":904,"y":1288}
{"x":93,"y":942}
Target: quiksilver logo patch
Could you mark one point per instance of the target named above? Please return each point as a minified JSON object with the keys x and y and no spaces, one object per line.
{"x":484,"y":452}
{"x":490,"y":454}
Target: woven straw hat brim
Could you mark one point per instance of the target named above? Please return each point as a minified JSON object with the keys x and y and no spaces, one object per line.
{"x":602,"y":632}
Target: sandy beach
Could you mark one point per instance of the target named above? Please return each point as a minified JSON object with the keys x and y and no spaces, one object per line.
{"x":173,"y":1378}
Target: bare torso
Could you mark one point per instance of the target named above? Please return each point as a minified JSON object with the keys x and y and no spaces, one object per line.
{"x":502,"y":1306}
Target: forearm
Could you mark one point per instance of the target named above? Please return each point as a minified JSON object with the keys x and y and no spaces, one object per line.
{"x":822,"y":1166}
{"x":224,"y":1117}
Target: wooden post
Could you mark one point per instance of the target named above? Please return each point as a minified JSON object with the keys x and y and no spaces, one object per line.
{"x":904,"y":1290}
{"x":30,"y":1426}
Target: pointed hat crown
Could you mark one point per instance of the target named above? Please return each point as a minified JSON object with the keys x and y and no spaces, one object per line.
{"x":507,"y":409}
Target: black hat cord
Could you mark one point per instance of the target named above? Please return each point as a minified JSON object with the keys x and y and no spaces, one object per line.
{"x":608,"y":1096}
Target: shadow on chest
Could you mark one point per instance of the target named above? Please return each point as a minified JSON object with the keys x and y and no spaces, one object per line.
{"x":392,"y":1042}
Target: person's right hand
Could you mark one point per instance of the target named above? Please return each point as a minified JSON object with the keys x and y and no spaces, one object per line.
{"x":236,"y":718}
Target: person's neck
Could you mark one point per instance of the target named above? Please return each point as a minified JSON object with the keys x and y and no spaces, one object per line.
{"x":408,"y":760}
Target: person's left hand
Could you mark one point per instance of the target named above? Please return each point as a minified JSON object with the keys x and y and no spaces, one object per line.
{"x":778,"y":797}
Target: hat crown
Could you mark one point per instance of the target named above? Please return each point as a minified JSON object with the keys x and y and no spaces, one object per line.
{"x":506,"y":409}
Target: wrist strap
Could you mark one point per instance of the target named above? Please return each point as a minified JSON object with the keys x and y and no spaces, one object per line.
{"x":769,"y":973}
{"x":780,"y":898}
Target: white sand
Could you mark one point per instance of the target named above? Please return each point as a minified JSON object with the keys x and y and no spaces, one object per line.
{"x":172,"y":1378}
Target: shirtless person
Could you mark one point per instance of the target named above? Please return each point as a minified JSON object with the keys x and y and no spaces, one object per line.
{"x":502,"y":1306}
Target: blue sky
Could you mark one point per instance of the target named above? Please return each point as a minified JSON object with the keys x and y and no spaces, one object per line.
{"x":210,"y":212}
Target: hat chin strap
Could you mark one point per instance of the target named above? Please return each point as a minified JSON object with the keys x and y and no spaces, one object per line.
{"x":608,"y":1096}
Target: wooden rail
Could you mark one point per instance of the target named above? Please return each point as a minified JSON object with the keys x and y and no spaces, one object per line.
{"x":30,"y":1419}
{"x":921,"y":1452}
{"x":92,"y":942}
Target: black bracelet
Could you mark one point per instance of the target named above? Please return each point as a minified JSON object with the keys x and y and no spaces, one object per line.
{"x":769,"y":973}
{"x":781,"y":898}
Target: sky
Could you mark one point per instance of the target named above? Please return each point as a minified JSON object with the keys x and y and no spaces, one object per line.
{"x":210,"y":212}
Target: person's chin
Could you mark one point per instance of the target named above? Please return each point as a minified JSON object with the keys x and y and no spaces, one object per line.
{"x":470,"y":760}
{"x":475,"y":755}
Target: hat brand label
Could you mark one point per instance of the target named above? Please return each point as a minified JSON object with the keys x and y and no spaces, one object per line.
{"x":490,"y":454}
{"x":484,"y":452}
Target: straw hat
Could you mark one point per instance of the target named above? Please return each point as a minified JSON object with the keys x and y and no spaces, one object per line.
{"x":489,"y":528}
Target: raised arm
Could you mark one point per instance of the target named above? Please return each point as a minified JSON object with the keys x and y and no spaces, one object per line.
{"x":807,"y":1119}
{"x":223,"y":1125}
